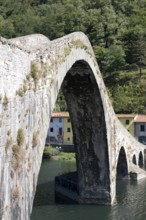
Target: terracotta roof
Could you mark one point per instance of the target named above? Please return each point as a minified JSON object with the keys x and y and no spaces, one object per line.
{"x":137,"y":118}
{"x":60,"y":115}
{"x":125,"y":115}
{"x":140,"y":118}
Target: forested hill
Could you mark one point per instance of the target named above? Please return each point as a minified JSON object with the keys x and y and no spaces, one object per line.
{"x":116,"y":29}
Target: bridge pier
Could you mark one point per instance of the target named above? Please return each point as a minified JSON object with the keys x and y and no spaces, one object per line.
{"x":89,"y":128}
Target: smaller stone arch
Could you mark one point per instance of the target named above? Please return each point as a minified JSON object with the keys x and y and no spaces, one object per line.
{"x":134,"y":159}
{"x":122,"y":167}
{"x":140,"y":160}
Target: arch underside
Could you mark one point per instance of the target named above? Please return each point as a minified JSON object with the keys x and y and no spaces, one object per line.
{"x":122,"y":168}
{"x":134,"y":159}
{"x":140,"y":160}
{"x":89,"y":129}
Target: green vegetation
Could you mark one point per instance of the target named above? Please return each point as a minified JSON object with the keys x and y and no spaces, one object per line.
{"x":20,"y":136}
{"x":34,"y":71}
{"x":18,"y":157}
{"x":51,"y":152}
{"x":115,"y":29}
{"x":67,"y":51}
{"x":15,"y":149}
{"x":5,"y":102}
{"x":20,"y":92}
{"x":127,"y":91}
{"x":65,"y":156}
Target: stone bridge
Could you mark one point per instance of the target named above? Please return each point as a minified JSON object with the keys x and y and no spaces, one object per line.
{"x":32,"y":70}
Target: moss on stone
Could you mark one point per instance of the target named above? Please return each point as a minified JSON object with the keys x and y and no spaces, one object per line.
{"x":20,"y":136}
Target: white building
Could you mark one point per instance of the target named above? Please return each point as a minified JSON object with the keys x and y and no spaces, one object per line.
{"x":140,"y":128}
{"x":56,"y":129}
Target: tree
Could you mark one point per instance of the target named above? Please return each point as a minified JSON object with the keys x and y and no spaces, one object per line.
{"x":110,"y":59}
{"x":135,"y":49}
{"x":139,"y":53}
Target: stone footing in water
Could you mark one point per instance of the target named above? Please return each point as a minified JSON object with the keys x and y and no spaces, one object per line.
{"x":137,"y":173}
{"x":66,"y":190}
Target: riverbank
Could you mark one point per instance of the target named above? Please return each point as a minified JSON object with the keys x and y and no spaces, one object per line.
{"x":55,"y":154}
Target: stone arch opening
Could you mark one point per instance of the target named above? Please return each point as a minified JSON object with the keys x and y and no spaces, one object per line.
{"x":122,"y":167}
{"x":87,"y":117}
{"x":85,"y":106}
{"x":140,"y":160}
{"x":134,"y":159}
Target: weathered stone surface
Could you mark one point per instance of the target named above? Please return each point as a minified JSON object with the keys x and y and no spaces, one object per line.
{"x":32,"y":70}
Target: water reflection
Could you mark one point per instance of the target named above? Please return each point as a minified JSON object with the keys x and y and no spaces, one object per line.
{"x":130,"y":203}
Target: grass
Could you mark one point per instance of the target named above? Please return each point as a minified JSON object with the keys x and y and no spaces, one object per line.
{"x":65,"y":156}
{"x":55,"y":154}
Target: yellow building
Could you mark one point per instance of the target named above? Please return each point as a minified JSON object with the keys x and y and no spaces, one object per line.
{"x":128,"y":121}
{"x":68,"y":134}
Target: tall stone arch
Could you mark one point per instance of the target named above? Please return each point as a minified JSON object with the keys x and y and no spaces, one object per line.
{"x":90,"y":136}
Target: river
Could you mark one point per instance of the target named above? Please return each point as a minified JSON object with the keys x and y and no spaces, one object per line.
{"x":130,"y":202}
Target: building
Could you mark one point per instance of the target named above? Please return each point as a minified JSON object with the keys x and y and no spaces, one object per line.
{"x":60,"y":129}
{"x":68,"y":134}
{"x":128,"y":121}
{"x":140,"y":128}
{"x":135,"y":124}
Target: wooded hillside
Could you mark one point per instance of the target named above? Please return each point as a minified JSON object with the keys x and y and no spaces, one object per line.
{"x":116,"y":29}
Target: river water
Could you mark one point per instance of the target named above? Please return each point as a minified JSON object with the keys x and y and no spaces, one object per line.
{"x":130,"y":203}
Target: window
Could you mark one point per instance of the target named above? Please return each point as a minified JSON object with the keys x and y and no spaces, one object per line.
{"x":68,"y":120}
{"x":60,"y":119}
{"x":142,"y":128}
{"x":60,"y":131}
{"x":127,"y":122}
{"x":68,"y":129}
{"x":68,"y":139}
{"x":51,"y":129}
{"x":51,"y":119}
